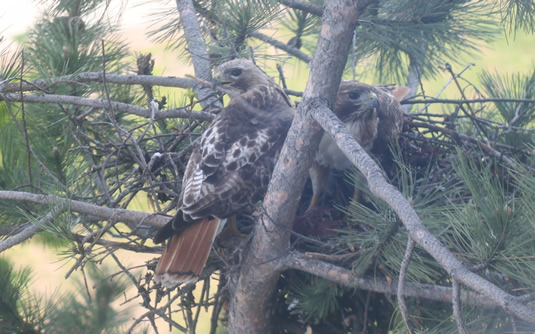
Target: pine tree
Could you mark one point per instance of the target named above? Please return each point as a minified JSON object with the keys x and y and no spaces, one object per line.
{"x":78,"y":126}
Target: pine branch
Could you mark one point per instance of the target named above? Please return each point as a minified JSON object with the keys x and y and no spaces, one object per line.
{"x":132,"y":218}
{"x":347,"y":278}
{"x":456,"y":302}
{"x":105,"y":104}
{"x":24,"y":235}
{"x":150,"y":80}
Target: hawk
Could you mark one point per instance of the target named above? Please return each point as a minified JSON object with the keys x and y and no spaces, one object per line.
{"x":228,"y":170}
{"x":373,"y":116}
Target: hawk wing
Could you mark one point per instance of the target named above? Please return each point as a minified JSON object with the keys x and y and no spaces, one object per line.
{"x":232,"y":164}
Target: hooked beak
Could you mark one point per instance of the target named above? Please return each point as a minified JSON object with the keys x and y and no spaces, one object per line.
{"x":373,"y":100}
{"x":216,"y":80}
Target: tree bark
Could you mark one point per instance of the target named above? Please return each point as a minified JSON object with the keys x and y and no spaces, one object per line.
{"x":250,"y":304}
{"x":197,"y":49}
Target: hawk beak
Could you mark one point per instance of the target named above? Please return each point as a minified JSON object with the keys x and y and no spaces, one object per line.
{"x":373,"y":101}
{"x":217,"y":80}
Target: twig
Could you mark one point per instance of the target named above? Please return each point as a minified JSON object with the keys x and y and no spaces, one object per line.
{"x":519,"y":106}
{"x":35,"y":156}
{"x":447,"y":84}
{"x":281,"y":76}
{"x":123,"y":245}
{"x":331,"y":258}
{"x":306,"y":7}
{"x":467,"y":101}
{"x":282,"y":46}
{"x":487,"y":148}
{"x":25,"y":133}
{"x":402,"y":275}
{"x":456,"y":303}
{"x":472,"y":114}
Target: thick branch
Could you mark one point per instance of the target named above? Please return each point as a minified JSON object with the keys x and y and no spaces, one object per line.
{"x":250,"y":306}
{"x":418,"y":232}
{"x":104,"y":104}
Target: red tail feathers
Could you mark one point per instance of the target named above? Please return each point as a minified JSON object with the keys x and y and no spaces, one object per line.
{"x":185,"y":256}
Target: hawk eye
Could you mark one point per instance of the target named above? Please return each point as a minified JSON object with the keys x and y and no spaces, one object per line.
{"x":353,"y":95}
{"x":236,"y":72}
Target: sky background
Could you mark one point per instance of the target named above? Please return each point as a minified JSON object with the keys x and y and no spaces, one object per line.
{"x":16,"y":16}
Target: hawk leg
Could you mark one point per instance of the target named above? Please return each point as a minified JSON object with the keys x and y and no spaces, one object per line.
{"x":318,"y":177}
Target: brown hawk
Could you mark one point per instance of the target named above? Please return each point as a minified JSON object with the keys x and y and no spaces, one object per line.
{"x":228,"y":170}
{"x":373,"y":116}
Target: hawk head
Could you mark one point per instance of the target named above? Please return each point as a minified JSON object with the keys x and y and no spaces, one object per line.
{"x":356,"y":100}
{"x":241,"y":75}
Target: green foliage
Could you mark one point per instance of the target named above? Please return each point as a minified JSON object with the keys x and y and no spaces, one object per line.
{"x":480,"y":210}
{"x":301,"y":25}
{"x":91,"y":313}
{"x":390,"y":38}
{"x":517,"y":14}
{"x":23,"y":313}
{"x":492,"y":229}
{"x":515,"y":116}
{"x":19,"y":312}
{"x":314,"y":298}
{"x":227,"y":26}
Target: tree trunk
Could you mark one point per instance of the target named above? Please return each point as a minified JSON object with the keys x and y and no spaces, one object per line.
{"x":250,"y":305}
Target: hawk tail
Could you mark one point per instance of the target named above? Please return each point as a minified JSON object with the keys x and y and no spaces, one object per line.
{"x":185,"y":255}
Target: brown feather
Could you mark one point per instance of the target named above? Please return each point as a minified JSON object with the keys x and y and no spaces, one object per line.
{"x":186,"y":254}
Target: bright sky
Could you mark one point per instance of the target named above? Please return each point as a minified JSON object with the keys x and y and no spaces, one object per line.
{"x":18,"y":15}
